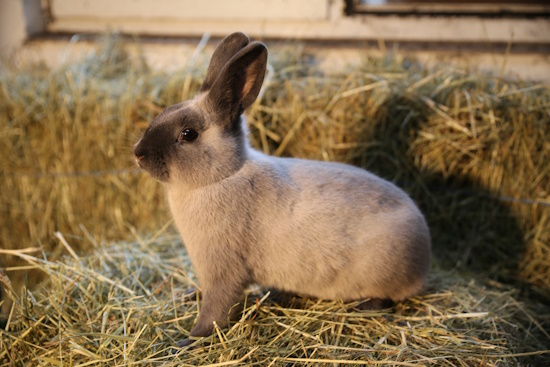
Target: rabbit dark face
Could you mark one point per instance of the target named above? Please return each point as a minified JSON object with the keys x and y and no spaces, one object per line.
{"x":202,"y":141}
{"x":167,"y":138}
{"x":187,"y":143}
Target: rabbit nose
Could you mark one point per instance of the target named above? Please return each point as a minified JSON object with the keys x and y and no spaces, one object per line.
{"x":139,"y":152}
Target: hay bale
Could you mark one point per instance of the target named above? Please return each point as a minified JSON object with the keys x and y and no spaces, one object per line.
{"x":471,"y":149}
{"x":129,"y":302}
{"x":67,"y":137}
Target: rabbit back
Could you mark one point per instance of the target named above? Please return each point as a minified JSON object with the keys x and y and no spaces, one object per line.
{"x":352,"y":235}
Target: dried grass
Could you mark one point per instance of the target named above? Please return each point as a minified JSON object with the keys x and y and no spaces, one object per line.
{"x":471,"y":149}
{"x":127,"y":303}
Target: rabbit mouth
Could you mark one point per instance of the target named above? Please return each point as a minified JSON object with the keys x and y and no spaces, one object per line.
{"x":157,"y":171}
{"x":138,"y":161}
{"x":161,"y":175}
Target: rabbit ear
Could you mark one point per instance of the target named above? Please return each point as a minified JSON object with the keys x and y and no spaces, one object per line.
{"x":239,"y":82}
{"x":225,"y":50}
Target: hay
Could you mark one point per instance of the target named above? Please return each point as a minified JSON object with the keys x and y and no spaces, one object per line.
{"x":66,"y":147}
{"x":67,"y":137}
{"x":127,"y":303}
{"x":471,"y":149}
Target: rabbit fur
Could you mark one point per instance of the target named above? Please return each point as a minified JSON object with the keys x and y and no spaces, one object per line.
{"x":321,"y":229}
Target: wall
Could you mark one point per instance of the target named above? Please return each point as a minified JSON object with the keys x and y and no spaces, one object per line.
{"x":462,"y":41}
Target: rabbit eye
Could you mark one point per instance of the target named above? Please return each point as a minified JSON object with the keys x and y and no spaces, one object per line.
{"x":188,"y":135}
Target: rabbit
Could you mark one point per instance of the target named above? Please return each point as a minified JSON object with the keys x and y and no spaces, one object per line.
{"x":321,"y":229}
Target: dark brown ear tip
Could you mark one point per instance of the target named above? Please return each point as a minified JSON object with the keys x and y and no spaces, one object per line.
{"x":256,"y":48}
{"x":238,"y":35}
{"x":257,"y":44}
{"x":224,"y":51}
{"x":253,"y":51}
{"x":239,"y":39}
